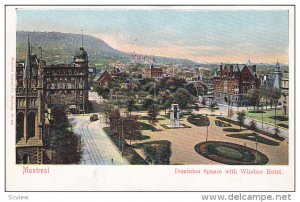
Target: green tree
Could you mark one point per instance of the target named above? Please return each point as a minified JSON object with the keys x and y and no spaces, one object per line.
{"x":153,"y":112}
{"x":115,"y":120}
{"x":212,"y":106}
{"x":276,"y":132}
{"x":130,"y":104}
{"x":106,"y":108}
{"x":253,"y":126}
{"x":131,"y":128}
{"x":147,"y":102}
{"x":183,"y":98}
{"x":63,"y":142}
{"x":241,"y":117}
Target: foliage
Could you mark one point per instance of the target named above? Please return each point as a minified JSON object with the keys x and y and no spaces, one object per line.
{"x":131,"y":128}
{"x":129,"y":153}
{"x":253,"y":126}
{"x":130,"y":104}
{"x":257,"y":130}
{"x":106,"y":108}
{"x":183,"y":98}
{"x":196,"y":89}
{"x":153,"y":112}
{"x":158,"y":153}
{"x":64,"y":143}
{"x":276,"y":132}
{"x":212,"y":106}
{"x":241,"y":117}
{"x":148,"y":102}
{"x":198,"y":120}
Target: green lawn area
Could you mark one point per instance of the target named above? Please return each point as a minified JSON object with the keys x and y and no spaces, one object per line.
{"x":268,"y":116}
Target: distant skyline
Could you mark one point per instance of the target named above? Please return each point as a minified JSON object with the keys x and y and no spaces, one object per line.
{"x":199,"y":35}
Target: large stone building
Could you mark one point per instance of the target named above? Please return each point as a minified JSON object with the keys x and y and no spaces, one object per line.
{"x":40,"y":87}
{"x":67,"y":84}
{"x":153,"y":72}
{"x":32,"y":124}
{"x":233,"y":81}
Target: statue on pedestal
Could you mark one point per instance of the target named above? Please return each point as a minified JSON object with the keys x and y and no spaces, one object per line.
{"x":174,"y":115}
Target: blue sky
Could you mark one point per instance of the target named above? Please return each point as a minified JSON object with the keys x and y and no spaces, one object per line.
{"x":200,"y":35}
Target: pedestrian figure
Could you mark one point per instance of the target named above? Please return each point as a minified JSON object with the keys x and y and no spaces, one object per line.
{"x":112,"y":160}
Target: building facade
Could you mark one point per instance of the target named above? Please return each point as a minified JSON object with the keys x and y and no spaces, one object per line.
{"x":153,"y":72}
{"x":67,"y":84}
{"x":32,"y":124}
{"x":232,"y":82}
{"x":40,"y":87}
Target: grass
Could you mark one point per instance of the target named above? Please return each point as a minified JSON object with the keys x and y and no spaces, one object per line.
{"x":156,"y":152}
{"x":247,"y":127}
{"x":254,"y":137}
{"x":268,"y":116}
{"x":232,"y":130}
{"x":198,"y":120}
{"x":231,"y":154}
{"x":146,"y":126}
{"x":129,"y":153}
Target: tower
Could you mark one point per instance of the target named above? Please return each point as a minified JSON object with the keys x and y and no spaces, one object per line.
{"x":30,"y":108}
{"x":81,"y":65}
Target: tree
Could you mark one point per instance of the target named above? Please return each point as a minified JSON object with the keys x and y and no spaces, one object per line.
{"x":147,"y":102}
{"x":253,"y":126}
{"x":106,"y":108}
{"x":153,"y":112}
{"x":115,"y":120}
{"x":241,"y":116}
{"x":183,"y":98}
{"x":253,"y":97}
{"x":130,"y":104}
{"x":158,"y":154}
{"x":62,"y":141}
{"x":212,"y":106}
{"x":165,"y":99}
{"x":196,"y":89}
{"x":231,"y":113}
{"x":276,"y":132}
{"x":275,"y":96}
{"x":131,"y":128}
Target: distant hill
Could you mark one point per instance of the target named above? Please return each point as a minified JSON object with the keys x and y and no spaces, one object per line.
{"x":61,"y":47}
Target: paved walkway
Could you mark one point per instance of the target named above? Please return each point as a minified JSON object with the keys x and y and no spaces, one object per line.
{"x":183,"y":141}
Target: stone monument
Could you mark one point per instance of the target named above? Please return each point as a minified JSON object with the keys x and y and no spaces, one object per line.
{"x":174,"y":116}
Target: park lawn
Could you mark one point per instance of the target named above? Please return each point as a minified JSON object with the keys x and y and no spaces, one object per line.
{"x":267,"y":116}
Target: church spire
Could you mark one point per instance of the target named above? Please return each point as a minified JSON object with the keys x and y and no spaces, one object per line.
{"x":27,"y":68}
{"x":277,"y":66}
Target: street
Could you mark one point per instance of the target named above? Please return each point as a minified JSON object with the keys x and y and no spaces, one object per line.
{"x":98,"y":149}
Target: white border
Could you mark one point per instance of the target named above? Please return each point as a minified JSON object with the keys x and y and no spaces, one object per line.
{"x":138,"y":178}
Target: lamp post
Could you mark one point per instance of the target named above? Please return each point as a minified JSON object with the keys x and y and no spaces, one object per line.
{"x":207,"y":128}
{"x":122,"y":137}
{"x":256,"y":151}
{"x":262,"y":117}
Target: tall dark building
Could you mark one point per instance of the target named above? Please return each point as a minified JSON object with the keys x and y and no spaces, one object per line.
{"x":31,"y":122}
{"x":40,"y":87}
{"x":67,"y":84}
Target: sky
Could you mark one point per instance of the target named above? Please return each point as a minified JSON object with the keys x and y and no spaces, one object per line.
{"x":200,"y":35}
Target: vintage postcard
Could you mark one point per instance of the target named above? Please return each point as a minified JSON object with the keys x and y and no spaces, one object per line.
{"x":150,"y":98}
